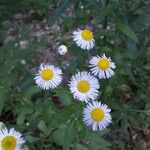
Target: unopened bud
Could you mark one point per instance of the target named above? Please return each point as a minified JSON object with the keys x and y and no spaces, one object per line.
{"x":62,"y":50}
{"x":2,"y":125}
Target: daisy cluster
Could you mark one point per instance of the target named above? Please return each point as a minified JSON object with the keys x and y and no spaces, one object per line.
{"x":84,"y":85}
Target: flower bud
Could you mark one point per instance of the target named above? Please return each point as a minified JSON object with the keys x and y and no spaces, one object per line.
{"x":62,"y":49}
{"x":2,"y":125}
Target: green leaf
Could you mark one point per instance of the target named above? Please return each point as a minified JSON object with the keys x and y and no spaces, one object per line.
{"x":31,"y":139}
{"x":64,"y":95}
{"x":69,"y":135}
{"x":95,"y":140}
{"x":31,"y":90}
{"x":65,"y":135}
{"x":63,"y":116}
{"x":127,"y":30}
{"x":21,"y":118}
{"x":23,"y":112}
{"x":80,"y":147}
{"x":43,"y":127}
{"x":25,"y":147}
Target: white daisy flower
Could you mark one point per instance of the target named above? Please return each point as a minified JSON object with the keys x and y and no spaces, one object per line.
{"x":48,"y":77}
{"x":97,"y":116}
{"x":84,"y":38}
{"x":11,"y":140}
{"x":102,"y":66}
{"x":84,"y":86}
{"x":62,"y":49}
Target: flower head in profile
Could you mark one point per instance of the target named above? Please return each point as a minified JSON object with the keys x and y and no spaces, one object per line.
{"x":97,"y":116}
{"x":49,"y":77}
{"x":84,"y":38}
{"x":84,"y":86}
{"x":102,"y":66}
{"x":11,"y":139}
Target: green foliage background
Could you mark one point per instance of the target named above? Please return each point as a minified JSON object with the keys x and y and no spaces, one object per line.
{"x":47,"y":125}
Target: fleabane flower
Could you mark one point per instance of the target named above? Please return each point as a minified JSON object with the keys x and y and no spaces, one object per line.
{"x":11,"y":139}
{"x":62,"y":49}
{"x":49,"y":77}
{"x":84,"y":86}
{"x":84,"y":38}
{"x":97,"y":116}
{"x":102,"y":66}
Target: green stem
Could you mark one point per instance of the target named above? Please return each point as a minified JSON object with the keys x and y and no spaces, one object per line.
{"x":23,"y":101}
{"x":140,"y":111}
{"x":105,"y":22}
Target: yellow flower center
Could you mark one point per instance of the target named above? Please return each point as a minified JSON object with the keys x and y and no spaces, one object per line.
{"x":47,"y":74}
{"x":83,"y":86}
{"x":103,"y":64}
{"x":87,"y":35}
{"x":97,"y":114}
{"x":9,"y":143}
